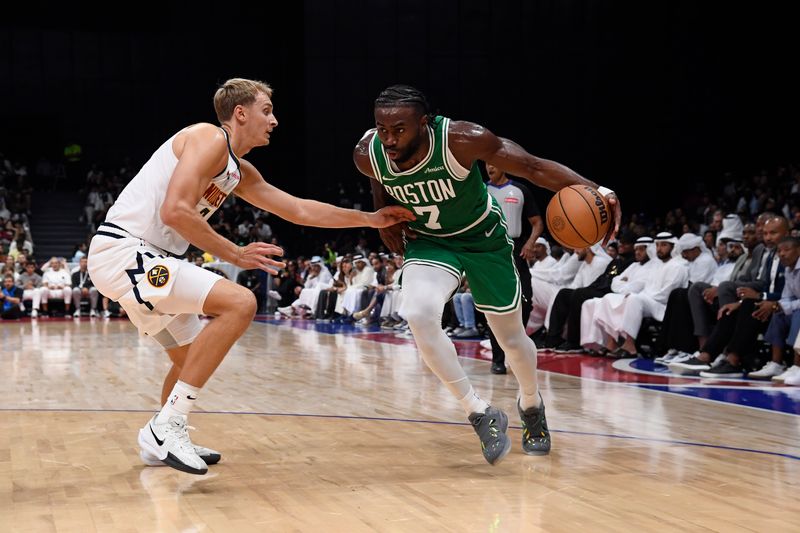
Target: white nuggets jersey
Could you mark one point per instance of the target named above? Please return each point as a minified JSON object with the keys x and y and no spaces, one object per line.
{"x":137,"y":210}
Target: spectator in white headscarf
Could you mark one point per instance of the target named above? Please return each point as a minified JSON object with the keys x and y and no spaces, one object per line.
{"x":620,"y":315}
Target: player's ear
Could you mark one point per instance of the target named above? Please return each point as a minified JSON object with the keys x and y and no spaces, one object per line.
{"x":424,"y":121}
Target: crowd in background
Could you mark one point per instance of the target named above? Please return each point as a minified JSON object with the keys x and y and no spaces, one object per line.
{"x":350,"y":277}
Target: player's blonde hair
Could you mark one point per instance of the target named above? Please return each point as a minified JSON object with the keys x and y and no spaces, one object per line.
{"x":237,"y":91}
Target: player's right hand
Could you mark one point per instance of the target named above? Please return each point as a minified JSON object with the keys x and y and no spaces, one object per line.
{"x":392,"y":237}
{"x":255,"y":255}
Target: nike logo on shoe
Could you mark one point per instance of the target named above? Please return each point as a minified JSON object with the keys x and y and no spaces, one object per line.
{"x":488,"y":233}
{"x":189,"y":396}
{"x":158,"y":441}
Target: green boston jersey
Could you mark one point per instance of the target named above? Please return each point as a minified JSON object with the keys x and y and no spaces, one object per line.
{"x":447,"y":198}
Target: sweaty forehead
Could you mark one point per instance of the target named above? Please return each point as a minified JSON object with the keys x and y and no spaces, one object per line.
{"x":396,"y":114}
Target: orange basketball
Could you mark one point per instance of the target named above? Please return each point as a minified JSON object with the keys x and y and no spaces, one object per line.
{"x":578,"y":216}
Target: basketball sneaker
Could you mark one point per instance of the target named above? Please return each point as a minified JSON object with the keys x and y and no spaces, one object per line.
{"x":170,"y":443}
{"x":209,"y":456}
{"x":491,"y":426}
{"x":535,"y":435}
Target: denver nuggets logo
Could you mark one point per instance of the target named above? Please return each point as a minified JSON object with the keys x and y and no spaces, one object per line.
{"x":158,"y":276}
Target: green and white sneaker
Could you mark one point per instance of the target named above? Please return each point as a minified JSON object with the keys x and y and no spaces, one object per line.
{"x":535,"y":435}
{"x":491,"y":426}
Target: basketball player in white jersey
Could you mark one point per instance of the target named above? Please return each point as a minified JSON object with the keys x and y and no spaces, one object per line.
{"x":166,"y":207}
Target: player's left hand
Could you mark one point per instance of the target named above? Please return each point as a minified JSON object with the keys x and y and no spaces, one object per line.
{"x":616,"y":213}
{"x":389,"y":216}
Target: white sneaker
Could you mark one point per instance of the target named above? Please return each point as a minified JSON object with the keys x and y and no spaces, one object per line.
{"x":667,"y":357}
{"x":170,"y":443}
{"x":76,"y":314}
{"x":209,"y":456}
{"x":286,"y":311}
{"x":486,"y":344}
{"x":92,"y":313}
{"x":793,"y":380}
{"x":789,"y":372}
{"x":275,"y":295}
{"x":770,"y":370}
{"x":106,"y":314}
{"x":681,"y":357}
{"x":34,"y":313}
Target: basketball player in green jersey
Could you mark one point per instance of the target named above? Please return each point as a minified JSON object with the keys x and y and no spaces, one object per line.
{"x":429,"y":164}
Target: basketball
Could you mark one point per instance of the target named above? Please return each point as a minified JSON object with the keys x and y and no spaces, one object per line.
{"x":578,"y":216}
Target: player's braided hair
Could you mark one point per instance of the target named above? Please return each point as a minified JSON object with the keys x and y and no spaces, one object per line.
{"x":405,"y":95}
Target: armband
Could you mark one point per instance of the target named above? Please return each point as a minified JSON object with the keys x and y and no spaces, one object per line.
{"x":605,"y":191}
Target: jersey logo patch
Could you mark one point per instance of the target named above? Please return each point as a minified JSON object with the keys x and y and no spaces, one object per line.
{"x":158,"y":276}
{"x":511,"y":200}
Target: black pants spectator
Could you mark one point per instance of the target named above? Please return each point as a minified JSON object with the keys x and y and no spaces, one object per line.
{"x":738,"y":332}
{"x":13,"y":313}
{"x":677,"y":327}
{"x":498,"y":355}
{"x":566,"y":311}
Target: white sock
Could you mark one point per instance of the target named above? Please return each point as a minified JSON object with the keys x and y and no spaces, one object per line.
{"x":472,"y":403}
{"x":180,"y":402}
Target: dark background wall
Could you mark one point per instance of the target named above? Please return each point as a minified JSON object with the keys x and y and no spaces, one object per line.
{"x":646,"y":98}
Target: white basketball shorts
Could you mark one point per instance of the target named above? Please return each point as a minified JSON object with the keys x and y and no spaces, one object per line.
{"x":162,"y":295}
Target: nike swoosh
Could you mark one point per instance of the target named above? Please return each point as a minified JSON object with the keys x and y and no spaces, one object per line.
{"x":491,"y":230}
{"x":159,"y":441}
{"x":191,"y":397}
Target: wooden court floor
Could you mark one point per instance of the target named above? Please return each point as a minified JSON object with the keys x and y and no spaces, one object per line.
{"x":336,"y":433}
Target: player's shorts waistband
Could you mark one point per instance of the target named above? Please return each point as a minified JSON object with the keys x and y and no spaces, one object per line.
{"x":108,"y":229}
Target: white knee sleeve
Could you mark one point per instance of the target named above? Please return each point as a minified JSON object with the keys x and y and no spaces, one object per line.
{"x":520,"y":353}
{"x":425,"y":292}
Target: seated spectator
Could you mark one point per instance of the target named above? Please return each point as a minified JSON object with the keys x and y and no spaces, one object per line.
{"x":564,"y":327}
{"x":56,"y":283}
{"x":375,"y":294}
{"x":11,"y":299}
{"x":20,"y":245}
{"x":331,"y":304}
{"x":739,"y":323}
{"x":785,"y":321}
{"x":252,"y":280}
{"x":319,"y":278}
{"x":363,"y":279}
{"x":688,"y":324}
{"x":31,"y":284}
{"x":10,"y":267}
{"x":592,"y":263}
{"x":80,"y":251}
{"x":393,"y":297}
{"x":82,"y":287}
{"x":548,"y":275}
{"x":286,"y":282}
{"x":464,"y":306}
{"x":619,"y":315}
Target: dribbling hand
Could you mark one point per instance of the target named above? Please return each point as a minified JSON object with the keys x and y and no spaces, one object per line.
{"x":616,"y":212}
{"x":254,"y":255}
{"x":392,"y":237}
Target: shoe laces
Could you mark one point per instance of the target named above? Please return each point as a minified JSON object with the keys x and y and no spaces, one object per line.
{"x":177,"y":427}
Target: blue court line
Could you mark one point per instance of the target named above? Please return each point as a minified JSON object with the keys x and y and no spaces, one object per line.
{"x":416,"y":421}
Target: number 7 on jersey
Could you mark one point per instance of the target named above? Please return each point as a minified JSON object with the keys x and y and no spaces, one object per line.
{"x":433,"y":220}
